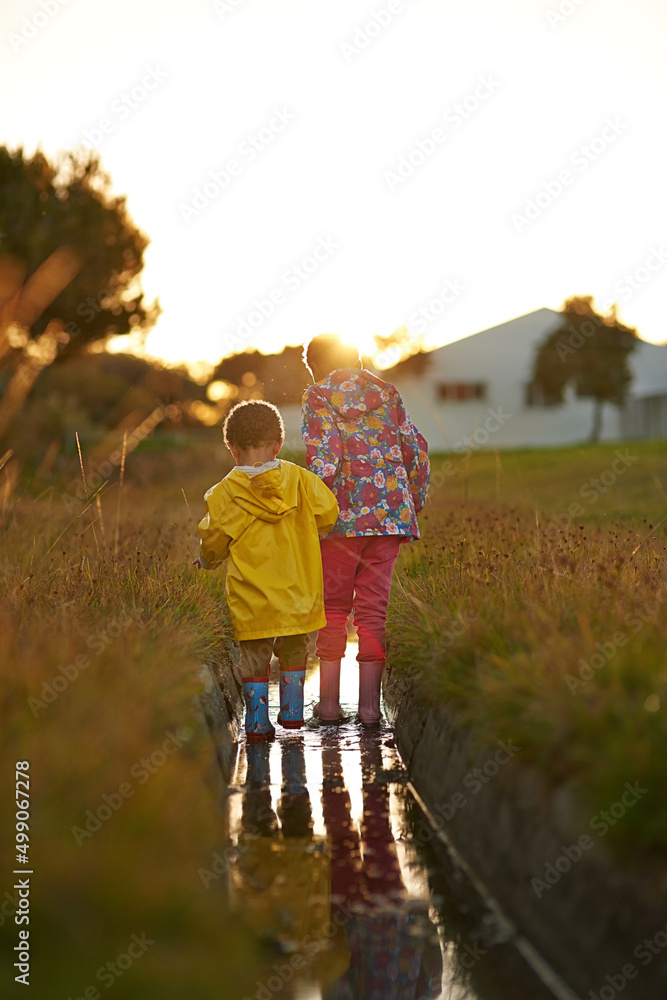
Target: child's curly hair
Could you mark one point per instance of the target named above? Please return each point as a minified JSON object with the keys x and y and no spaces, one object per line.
{"x":253,"y":423}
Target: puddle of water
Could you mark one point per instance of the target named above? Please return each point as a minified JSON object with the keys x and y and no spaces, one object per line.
{"x":334,"y":875}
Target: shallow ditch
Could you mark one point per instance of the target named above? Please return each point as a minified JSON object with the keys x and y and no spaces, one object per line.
{"x":340,"y":875}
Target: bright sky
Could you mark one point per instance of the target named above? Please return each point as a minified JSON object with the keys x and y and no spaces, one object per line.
{"x":375,"y":161}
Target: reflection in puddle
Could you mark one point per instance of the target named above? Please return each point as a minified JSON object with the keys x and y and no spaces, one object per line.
{"x":330,"y":875}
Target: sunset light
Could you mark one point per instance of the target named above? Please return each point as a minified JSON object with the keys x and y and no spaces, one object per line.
{"x":443,"y":167}
{"x":342,"y":680}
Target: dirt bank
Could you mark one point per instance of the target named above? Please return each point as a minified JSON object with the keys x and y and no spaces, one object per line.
{"x":537,"y":853}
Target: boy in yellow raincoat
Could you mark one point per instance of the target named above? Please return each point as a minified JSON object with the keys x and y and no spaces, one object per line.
{"x":266,"y":518}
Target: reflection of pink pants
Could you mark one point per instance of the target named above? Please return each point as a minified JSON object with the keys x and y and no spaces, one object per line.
{"x":357,"y":574}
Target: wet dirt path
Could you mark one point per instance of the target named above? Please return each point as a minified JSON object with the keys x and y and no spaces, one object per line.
{"x":338,"y":873}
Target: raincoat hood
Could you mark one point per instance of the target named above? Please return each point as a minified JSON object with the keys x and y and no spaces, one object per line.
{"x":267,"y":496}
{"x":266,"y":523}
{"x":362,"y":444}
{"x":353,"y":393}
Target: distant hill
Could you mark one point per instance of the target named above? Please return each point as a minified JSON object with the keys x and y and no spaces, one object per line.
{"x":279,"y":378}
{"x":92,"y":393}
{"x":282,"y":378}
{"x":109,"y":387}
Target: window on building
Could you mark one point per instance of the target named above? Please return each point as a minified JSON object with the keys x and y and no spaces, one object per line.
{"x":535,"y":395}
{"x":461,"y":392}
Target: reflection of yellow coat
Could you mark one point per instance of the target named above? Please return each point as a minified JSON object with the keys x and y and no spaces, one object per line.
{"x":282,"y":886}
{"x":269,"y":525}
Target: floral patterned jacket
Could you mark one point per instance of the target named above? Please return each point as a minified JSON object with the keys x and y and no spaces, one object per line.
{"x":362,"y":444}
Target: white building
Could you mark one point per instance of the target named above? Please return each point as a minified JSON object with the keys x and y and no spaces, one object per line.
{"x":478,"y":389}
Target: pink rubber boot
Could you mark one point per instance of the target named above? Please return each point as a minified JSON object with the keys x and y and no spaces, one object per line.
{"x":328,"y":707}
{"x":370,"y":680}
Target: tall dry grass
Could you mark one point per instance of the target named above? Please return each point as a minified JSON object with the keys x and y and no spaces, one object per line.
{"x":549,"y":628}
{"x":104,"y":624}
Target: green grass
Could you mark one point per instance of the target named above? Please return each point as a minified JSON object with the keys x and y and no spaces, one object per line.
{"x":517,"y":579}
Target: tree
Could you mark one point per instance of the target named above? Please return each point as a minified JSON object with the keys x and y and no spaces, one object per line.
{"x":69,"y":267}
{"x":415,"y":364}
{"x":590,"y":352}
{"x":101,"y":396}
{"x":397,"y":347}
{"x":282,"y":378}
{"x":279,"y":378}
{"x":67,"y":208}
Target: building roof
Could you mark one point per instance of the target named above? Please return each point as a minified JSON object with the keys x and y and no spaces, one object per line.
{"x":505,"y":352}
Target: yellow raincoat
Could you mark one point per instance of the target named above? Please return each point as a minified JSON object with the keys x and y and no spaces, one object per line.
{"x":268,"y":525}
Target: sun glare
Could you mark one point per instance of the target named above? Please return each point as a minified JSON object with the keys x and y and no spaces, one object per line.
{"x":262,"y":258}
{"x":364,"y":343}
{"x":220,"y":390}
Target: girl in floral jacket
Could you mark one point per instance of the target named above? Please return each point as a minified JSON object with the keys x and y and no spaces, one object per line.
{"x":362,"y":444}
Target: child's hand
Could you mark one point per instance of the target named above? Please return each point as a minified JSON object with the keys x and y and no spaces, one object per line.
{"x":197,"y":563}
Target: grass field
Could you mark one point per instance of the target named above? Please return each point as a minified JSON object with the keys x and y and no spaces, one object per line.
{"x":535,"y":607}
{"x":511,"y":594}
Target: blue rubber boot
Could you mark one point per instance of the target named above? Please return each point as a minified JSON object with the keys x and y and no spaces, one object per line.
{"x":258,"y":774}
{"x":292,"y":680}
{"x":257,"y":725}
{"x":295,"y":781}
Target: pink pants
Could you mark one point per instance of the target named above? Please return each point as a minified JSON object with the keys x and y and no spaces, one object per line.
{"x":357,"y":574}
